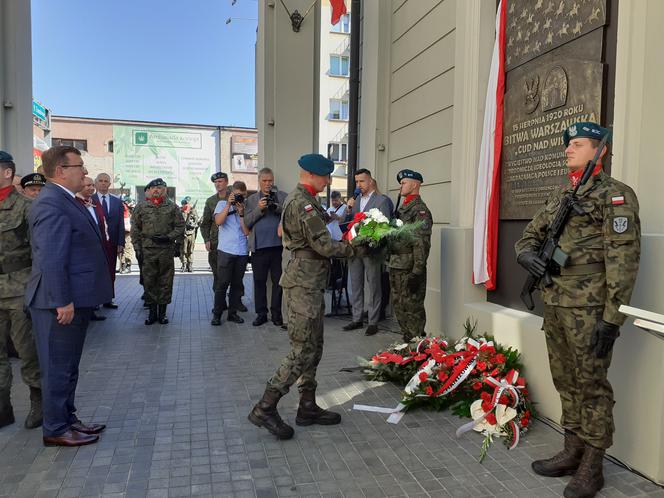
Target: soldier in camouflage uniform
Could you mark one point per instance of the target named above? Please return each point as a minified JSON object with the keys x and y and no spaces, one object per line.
{"x":210,"y":230}
{"x":15,"y":266}
{"x":407,"y":262}
{"x":581,"y":317}
{"x":191,"y":222}
{"x":156,"y":226}
{"x":306,"y":236}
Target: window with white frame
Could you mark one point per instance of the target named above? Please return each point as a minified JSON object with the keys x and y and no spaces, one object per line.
{"x":337,"y":152}
{"x":339,"y":65}
{"x":343,"y":26}
{"x":338,"y":109}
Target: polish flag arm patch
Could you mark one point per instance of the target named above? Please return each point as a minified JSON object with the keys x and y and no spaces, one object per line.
{"x":618,"y":200}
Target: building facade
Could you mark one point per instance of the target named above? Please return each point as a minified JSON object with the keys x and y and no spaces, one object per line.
{"x":185,"y":155}
{"x":424,"y":72}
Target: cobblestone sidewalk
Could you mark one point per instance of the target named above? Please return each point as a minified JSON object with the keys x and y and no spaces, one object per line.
{"x":176,"y":397}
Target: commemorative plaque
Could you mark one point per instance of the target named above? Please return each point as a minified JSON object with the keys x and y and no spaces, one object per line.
{"x":545,"y":94}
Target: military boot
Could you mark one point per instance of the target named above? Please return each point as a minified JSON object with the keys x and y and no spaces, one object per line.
{"x":589,"y":478}
{"x":310,"y":413}
{"x":152,"y":317}
{"x":35,"y":416}
{"x":563,"y":463}
{"x":189,"y":269}
{"x":216,"y":319}
{"x":162,"y":314}
{"x":6,"y":410}
{"x":265,"y":414}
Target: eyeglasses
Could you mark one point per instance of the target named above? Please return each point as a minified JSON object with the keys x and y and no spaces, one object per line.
{"x":72,"y":165}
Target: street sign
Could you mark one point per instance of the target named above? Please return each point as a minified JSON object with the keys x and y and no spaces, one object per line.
{"x":41,"y":116}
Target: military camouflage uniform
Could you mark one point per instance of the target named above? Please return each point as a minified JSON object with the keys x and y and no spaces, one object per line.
{"x":15,"y":265}
{"x":407,"y":261}
{"x":190,"y":227}
{"x":604,"y":247}
{"x":158,"y":269}
{"x":306,"y":236}
{"x":210,"y":233}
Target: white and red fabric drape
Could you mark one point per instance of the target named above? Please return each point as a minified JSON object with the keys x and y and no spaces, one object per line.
{"x":487,"y":195}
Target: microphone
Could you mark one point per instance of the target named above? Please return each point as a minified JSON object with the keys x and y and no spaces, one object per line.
{"x":356,"y":193}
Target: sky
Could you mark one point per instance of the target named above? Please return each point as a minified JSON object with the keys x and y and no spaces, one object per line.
{"x":154,"y":60}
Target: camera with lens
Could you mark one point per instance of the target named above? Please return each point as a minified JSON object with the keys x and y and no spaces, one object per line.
{"x":271,"y":198}
{"x":239,"y":199}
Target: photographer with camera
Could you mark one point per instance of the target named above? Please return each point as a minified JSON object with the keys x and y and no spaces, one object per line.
{"x":232,"y":254}
{"x":263,"y":216}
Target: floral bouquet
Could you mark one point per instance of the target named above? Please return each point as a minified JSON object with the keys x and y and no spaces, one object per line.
{"x":374,"y":229}
{"x":475,"y":378}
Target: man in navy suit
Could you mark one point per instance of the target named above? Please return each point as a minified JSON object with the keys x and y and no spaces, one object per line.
{"x":114,"y":215}
{"x":69,"y":277}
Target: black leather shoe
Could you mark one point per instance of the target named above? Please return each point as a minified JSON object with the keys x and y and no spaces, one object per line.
{"x":97,"y":318}
{"x":111,"y":305}
{"x":353,"y":326}
{"x":260,"y":320}
{"x":235,"y":318}
{"x":242,"y":308}
{"x":278,"y":321}
{"x":88,"y":429}
{"x":371,"y":330}
{"x":216,"y":320}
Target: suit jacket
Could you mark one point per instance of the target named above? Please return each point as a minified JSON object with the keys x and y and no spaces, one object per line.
{"x":69,"y":264}
{"x":252,"y":214}
{"x":380,"y":201}
{"x":114,"y":219}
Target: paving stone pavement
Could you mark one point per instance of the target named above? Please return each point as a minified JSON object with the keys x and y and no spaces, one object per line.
{"x":176,"y":397}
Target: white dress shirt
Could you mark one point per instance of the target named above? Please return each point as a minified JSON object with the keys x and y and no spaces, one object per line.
{"x":364,"y":200}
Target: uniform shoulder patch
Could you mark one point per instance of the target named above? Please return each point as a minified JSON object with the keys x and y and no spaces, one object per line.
{"x":308,"y":208}
{"x":620,"y":224}
{"x":617,"y":200}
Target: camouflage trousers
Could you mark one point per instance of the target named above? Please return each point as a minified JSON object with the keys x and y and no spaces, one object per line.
{"x":187,"y":249}
{"x":408,"y":306}
{"x":127,"y":255}
{"x":579,"y":376}
{"x":16,"y":325}
{"x":305,"y":331}
{"x":158,"y":271}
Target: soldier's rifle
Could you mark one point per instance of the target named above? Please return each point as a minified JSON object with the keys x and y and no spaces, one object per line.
{"x":549,"y":252}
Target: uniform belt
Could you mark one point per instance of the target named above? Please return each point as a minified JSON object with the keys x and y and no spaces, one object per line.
{"x":587,"y":269}
{"x":308,"y":254}
{"x":11,"y":266}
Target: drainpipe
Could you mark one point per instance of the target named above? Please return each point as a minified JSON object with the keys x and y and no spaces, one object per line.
{"x":354,"y":94}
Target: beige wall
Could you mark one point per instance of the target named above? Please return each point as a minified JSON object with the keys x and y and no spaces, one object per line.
{"x":287,"y":105}
{"x":98,"y":135}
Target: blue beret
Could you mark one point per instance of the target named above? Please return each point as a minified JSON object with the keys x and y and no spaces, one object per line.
{"x":33,"y":179}
{"x":185,"y":200}
{"x":585,"y":129}
{"x":316,"y":164}
{"x":6,"y":157}
{"x":157,"y":182}
{"x":409,"y":173}
{"x":218,"y":176}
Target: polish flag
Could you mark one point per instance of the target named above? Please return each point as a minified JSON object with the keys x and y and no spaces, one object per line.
{"x":338,"y":10}
{"x":487,"y":195}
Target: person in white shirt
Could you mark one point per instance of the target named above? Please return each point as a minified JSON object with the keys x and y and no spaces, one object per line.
{"x":336,"y":213}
